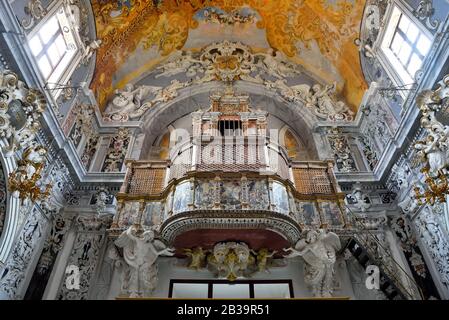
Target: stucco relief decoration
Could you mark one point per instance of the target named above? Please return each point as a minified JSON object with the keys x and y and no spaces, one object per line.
{"x":84,"y":118}
{"x":14,"y":272}
{"x":433,"y":151}
{"x":230,"y":260}
{"x":224,"y":61}
{"x":140,"y":253}
{"x":425,"y":11}
{"x":319,"y":250}
{"x":3,"y":198}
{"x":433,"y":236}
{"x":228,"y":61}
{"x":216,"y":15}
{"x":358,"y":198}
{"x":20,"y":110}
{"x":117,"y":151}
{"x":403,"y":231}
{"x":288,"y":27}
{"x":342,"y":153}
{"x":36,"y":11}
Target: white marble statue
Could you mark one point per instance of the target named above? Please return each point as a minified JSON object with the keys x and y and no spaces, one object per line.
{"x":436,"y":154}
{"x":273,"y":64}
{"x":129,"y":100}
{"x":181,"y":61}
{"x":89,"y":50}
{"x":140,"y":252}
{"x":320,"y":99}
{"x":318,"y":250}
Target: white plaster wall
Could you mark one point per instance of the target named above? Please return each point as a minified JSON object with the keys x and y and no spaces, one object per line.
{"x":172,"y":268}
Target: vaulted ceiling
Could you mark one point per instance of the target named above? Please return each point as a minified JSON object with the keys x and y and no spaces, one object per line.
{"x":137,"y":35}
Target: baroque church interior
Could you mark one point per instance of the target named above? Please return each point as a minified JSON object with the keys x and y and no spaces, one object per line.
{"x":224,"y":149}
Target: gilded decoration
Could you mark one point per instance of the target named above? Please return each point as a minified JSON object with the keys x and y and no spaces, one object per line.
{"x":432,"y":152}
{"x":289,"y":27}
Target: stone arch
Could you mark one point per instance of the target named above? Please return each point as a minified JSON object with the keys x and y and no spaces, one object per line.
{"x":156,"y":120}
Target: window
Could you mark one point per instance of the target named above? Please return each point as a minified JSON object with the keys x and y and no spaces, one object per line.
{"x":53,"y":46}
{"x":405,"y":46}
{"x":243,"y":289}
{"x":230,"y":127}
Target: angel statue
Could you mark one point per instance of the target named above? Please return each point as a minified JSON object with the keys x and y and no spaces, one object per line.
{"x":319,"y":252}
{"x":127,"y":101}
{"x":262,"y":258}
{"x":433,"y":151}
{"x":197,"y":257}
{"x":140,"y":252}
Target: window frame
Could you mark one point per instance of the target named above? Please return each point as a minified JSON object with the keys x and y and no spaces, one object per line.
{"x":54,"y":84}
{"x":386,"y":56}
{"x":249,"y":282}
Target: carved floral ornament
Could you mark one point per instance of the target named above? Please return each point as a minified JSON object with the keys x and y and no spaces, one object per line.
{"x":433,"y":151}
{"x":20,"y":110}
{"x":228,"y":61}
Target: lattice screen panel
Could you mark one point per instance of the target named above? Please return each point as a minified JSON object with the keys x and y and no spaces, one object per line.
{"x":147,"y":181}
{"x":308,"y":180}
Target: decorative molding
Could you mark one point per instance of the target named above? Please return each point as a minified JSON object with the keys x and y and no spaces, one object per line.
{"x":425,"y":11}
{"x":35,"y":10}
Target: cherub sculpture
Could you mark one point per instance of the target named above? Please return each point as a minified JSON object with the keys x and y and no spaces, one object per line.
{"x":318,"y":250}
{"x":140,"y":252}
{"x":436,"y":155}
{"x":197,"y":257}
{"x":262,"y":257}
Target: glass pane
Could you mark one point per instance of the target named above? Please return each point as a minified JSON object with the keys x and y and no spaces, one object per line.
{"x":271,"y":290}
{"x":404,"y":23}
{"x":396,"y":44}
{"x":60,"y":44}
{"x":404,"y":53}
{"x":49,"y":29}
{"x":53,"y":54}
{"x":190,"y":290}
{"x":412,"y":33}
{"x":231,"y":290}
{"x":45,"y":66}
{"x":35,"y":45}
{"x":415,"y":64}
{"x":423,"y":45}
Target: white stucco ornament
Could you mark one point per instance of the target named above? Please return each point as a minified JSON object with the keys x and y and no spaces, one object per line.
{"x":318,"y":250}
{"x":140,"y":252}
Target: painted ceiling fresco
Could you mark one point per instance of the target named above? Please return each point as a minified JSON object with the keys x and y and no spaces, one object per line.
{"x":137,"y":35}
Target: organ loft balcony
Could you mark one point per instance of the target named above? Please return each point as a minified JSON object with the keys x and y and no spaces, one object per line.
{"x":229,"y":181}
